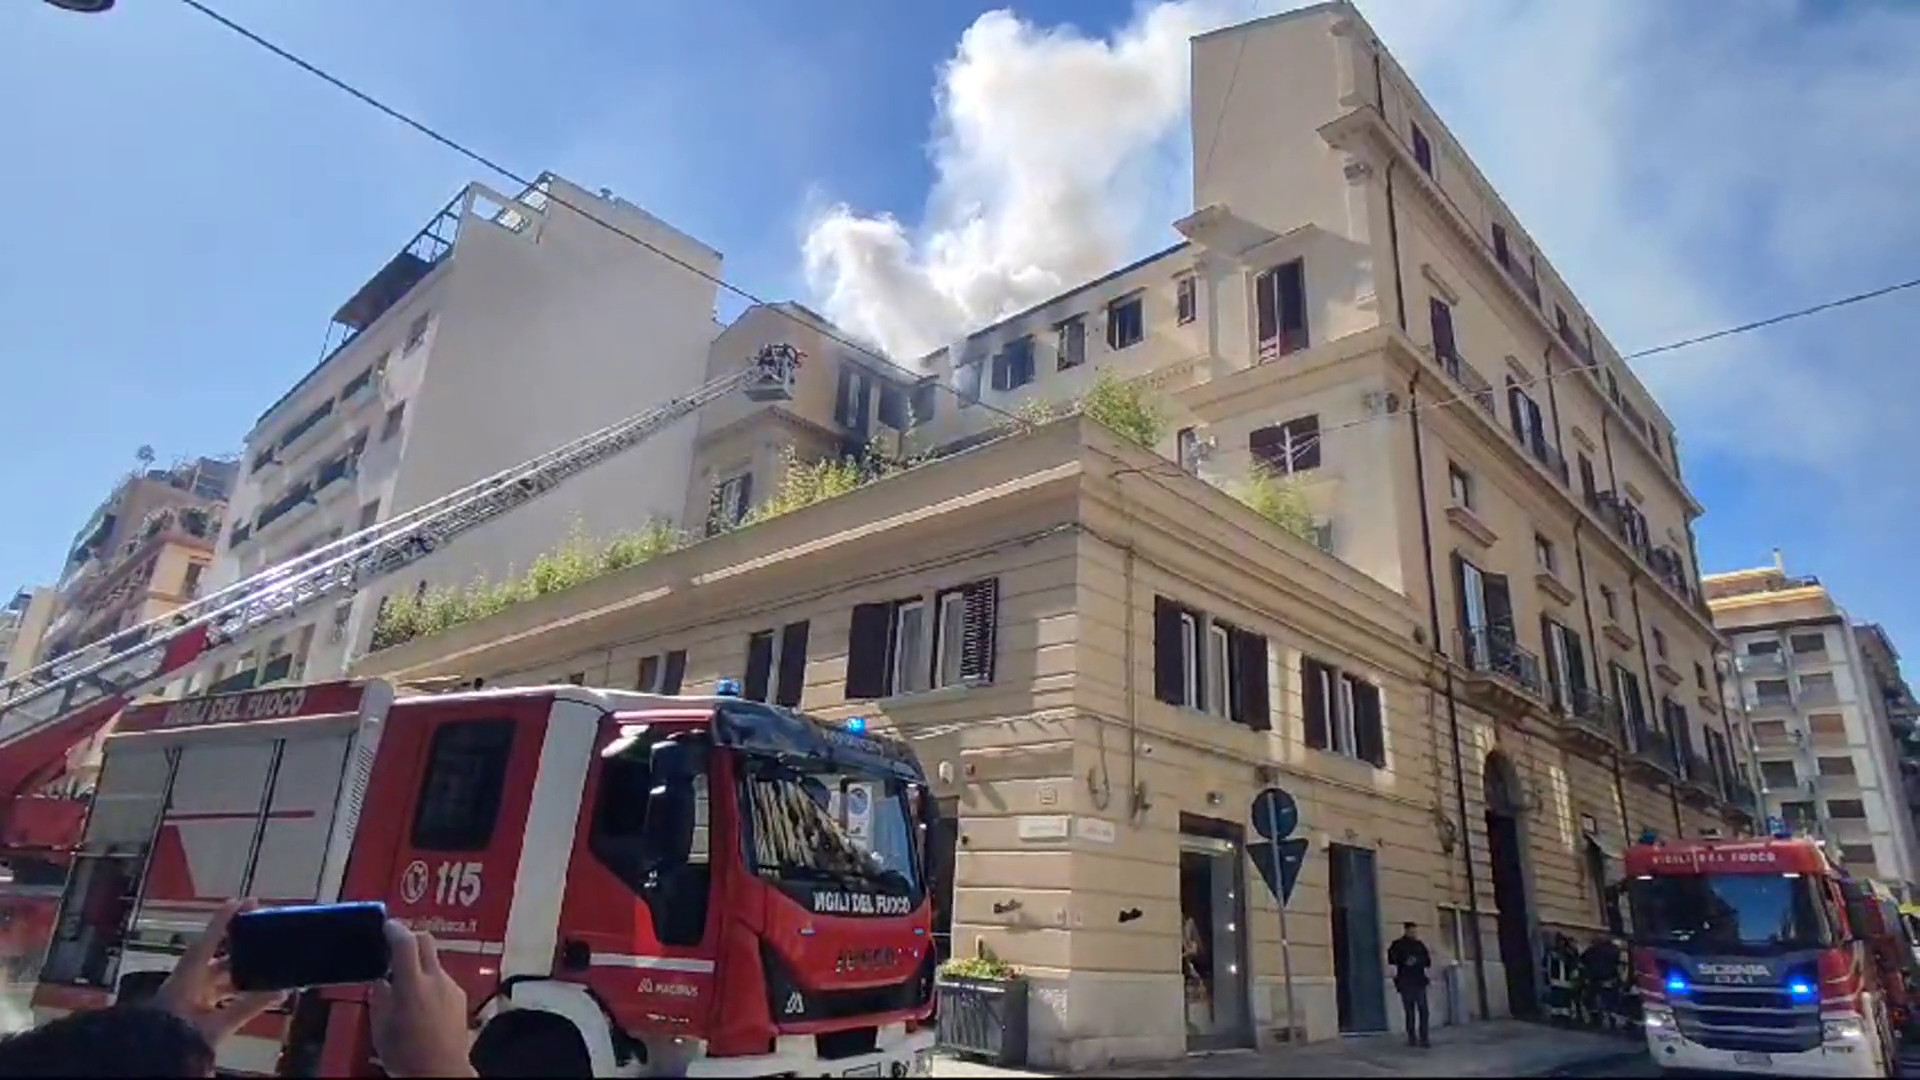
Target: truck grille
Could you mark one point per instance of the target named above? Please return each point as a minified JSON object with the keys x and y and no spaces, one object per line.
{"x":1759,"y":1018}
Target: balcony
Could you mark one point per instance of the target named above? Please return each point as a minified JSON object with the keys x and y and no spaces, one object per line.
{"x":1521,"y":275}
{"x":1742,"y":799}
{"x":1702,"y":783}
{"x":239,"y":680}
{"x":1652,"y":752}
{"x":1502,"y":677}
{"x":297,"y":496}
{"x":1593,"y":720}
{"x":1769,"y":663}
{"x":1551,"y":457}
{"x":1475,"y":384}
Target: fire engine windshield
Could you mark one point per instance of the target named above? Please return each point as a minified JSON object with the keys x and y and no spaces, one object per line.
{"x":1732,"y":913}
{"x":812,"y":828}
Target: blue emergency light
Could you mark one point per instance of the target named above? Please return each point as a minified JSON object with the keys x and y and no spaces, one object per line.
{"x":1800,"y":990}
{"x":857,"y":725}
{"x":1676,"y":983}
{"x":727,"y":688}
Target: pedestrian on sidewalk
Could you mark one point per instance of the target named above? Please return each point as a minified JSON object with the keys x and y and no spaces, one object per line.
{"x":1410,"y":960}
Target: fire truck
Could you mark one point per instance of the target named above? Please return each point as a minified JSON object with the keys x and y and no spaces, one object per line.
{"x":822,"y":934}
{"x":1762,"y":956}
{"x":624,"y":883}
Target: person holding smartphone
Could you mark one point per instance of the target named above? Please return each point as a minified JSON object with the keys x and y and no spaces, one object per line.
{"x":418,"y":1016}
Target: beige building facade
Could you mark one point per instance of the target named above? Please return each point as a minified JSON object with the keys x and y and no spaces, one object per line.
{"x":1819,"y":696}
{"x":23,"y":623}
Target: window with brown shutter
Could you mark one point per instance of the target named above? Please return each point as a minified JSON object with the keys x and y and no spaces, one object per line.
{"x":759,"y":672}
{"x":1317,"y":697}
{"x":1287,"y":448}
{"x":792,"y":680}
{"x":676,"y":672}
{"x":647,"y":678}
{"x":867,"y":649}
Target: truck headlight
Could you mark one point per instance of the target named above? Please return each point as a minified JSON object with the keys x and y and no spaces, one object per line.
{"x":1657,"y":1018}
{"x":1843,"y":1030}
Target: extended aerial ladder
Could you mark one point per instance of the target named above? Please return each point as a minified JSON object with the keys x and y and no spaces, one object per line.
{"x":47,"y":711}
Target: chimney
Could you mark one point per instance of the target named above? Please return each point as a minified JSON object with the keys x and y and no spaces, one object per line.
{"x":1779,"y":562}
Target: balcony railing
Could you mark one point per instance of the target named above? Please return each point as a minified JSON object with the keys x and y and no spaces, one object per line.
{"x":1528,"y":284}
{"x":1494,"y":651}
{"x":1596,"y":712}
{"x":239,"y":680}
{"x":1653,"y":747}
{"x":1550,"y":456}
{"x":1475,"y":384}
{"x":284,"y":505}
{"x":1759,"y":663}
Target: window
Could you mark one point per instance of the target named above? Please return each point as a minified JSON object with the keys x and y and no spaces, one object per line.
{"x":1285,"y":449}
{"x":1699,"y":675}
{"x":1485,"y":608}
{"x":904,"y":646}
{"x":1779,"y":775}
{"x":1072,"y":344}
{"x":1561,"y":324}
{"x":578,"y":678}
{"x":1799,"y":817}
{"x":851,"y":398}
{"x":1126,"y":322}
{"x":1013,"y":365}
{"x":1772,"y":692}
{"x":966,"y":382}
{"x":1422,"y":150}
{"x":1186,"y":445}
{"x":1589,"y":489}
{"x":1184,"y":301}
{"x":659,"y":674}
{"x":727,"y":506}
{"x":1633,"y":707}
{"x":1846,"y":809}
{"x":391,"y":427}
{"x":1609,"y":603}
{"x":1341,"y":712}
{"x":1440,"y":323}
{"x":1205,"y":663}
{"x":1280,"y":310}
{"x":1809,"y":644}
{"x":1837,"y":765}
{"x":1543,"y":554}
{"x":1857,"y":856}
{"x":1501,"y":252}
{"x":460,"y":792}
{"x":777,"y":665}
{"x":1528,"y":423}
{"x":1659,"y":643}
{"x":190,"y":584}
{"x":1828,"y":727}
{"x":618,"y":839}
{"x":369,"y":514}
{"x":1763,"y":648}
{"x":1818,"y":689}
{"x":921,"y":402}
{"x":1459,"y":486}
{"x":1566,"y":666}
{"x":417,"y":332}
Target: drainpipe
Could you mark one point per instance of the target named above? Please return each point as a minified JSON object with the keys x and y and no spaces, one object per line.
{"x":1393,"y":228}
{"x":1453,"y":711}
{"x":1586,"y":609}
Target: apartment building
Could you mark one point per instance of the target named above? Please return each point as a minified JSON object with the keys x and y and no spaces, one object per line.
{"x":146,"y":549}
{"x":23,"y":623}
{"x":1816,"y":690}
{"x":503,"y":329}
{"x":1488,"y":660}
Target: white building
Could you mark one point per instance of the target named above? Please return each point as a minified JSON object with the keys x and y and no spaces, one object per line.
{"x":1817,"y":718}
{"x":503,"y":329}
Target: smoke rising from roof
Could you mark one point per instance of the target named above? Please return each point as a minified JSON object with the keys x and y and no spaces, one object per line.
{"x":1057,"y":156}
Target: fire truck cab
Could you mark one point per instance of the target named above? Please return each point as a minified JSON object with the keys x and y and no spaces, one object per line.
{"x":1758,"y":956}
{"x":625,"y":883}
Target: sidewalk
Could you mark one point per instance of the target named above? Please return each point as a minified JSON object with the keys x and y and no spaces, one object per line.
{"x":1497,"y":1048}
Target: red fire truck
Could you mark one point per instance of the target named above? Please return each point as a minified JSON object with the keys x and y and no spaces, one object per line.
{"x":1761,"y":956}
{"x":625,"y":883}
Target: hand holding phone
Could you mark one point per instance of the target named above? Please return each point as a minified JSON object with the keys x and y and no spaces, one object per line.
{"x":290,"y":948}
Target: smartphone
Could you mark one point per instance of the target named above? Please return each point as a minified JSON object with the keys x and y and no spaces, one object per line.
{"x":290,"y":948}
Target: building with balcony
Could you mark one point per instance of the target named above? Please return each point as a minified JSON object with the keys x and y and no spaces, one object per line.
{"x":146,"y":550}
{"x":1483,"y":664}
{"x":23,"y":623}
{"x":508,"y":326}
{"x":1819,"y":696}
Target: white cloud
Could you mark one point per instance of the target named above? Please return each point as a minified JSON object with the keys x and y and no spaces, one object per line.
{"x":1058,"y":156}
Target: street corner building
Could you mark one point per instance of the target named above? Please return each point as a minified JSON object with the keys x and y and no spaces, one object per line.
{"x":1353,"y":500}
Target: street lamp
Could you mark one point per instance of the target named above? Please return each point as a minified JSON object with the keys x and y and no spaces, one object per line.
{"x":85,"y":7}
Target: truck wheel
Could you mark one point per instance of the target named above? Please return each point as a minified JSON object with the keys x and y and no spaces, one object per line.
{"x":530,"y":1044}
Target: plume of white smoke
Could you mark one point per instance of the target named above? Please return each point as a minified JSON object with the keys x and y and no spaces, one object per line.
{"x":1056,"y":157}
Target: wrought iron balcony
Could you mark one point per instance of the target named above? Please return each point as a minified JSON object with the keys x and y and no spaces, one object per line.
{"x":1494,"y":651}
{"x":1470,"y":380}
{"x":1653,"y":748}
{"x":1594,"y":715}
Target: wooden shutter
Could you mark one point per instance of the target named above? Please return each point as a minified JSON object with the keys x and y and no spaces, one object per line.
{"x":1460,"y":606}
{"x":1442,"y":319}
{"x":1368,"y":735}
{"x":867,"y":636}
{"x":893,"y":408}
{"x":676,"y":672}
{"x":759,"y":665}
{"x":1314,"y":703}
{"x":1499,"y":605}
{"x":649,"y":673}
{"x":1576,"y":662}
{"x":1517,"y":409}
{"x":1556,"y":679}
{"x":1169,"y":674}
{"x":923,"y":398}
{"x":1002,"y":374}
{"x":982,"y":600}
{"x":1293,"y":304}
{"x":841,"y":414}
{"x":1250,"y":679}
{"x":793,"y":664}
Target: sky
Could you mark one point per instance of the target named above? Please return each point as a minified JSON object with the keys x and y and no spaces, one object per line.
{"x":187,"y":210}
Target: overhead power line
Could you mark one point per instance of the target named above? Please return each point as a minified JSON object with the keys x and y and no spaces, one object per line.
{"x":862,"y":349}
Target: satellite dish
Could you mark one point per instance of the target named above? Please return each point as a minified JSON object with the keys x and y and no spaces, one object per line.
{"x":86,"y":7}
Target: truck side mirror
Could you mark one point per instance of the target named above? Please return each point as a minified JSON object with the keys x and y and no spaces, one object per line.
{"x":672,"y":805}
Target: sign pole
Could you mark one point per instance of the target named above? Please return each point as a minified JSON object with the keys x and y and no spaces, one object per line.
{"x":1286,"y":946}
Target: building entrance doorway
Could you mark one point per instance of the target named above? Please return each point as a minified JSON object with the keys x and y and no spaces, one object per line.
{"x":1506,"y":851}
{"x":943,"y":841}
{"x":1359,"y":957}
{"x":1213,"y":938}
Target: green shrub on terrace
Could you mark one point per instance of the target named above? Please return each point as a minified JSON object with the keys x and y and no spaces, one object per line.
{"x":1281,"y":500}
{"x":1128,"y":408}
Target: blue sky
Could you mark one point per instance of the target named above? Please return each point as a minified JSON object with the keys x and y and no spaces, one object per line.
{"x":187,"y":210}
